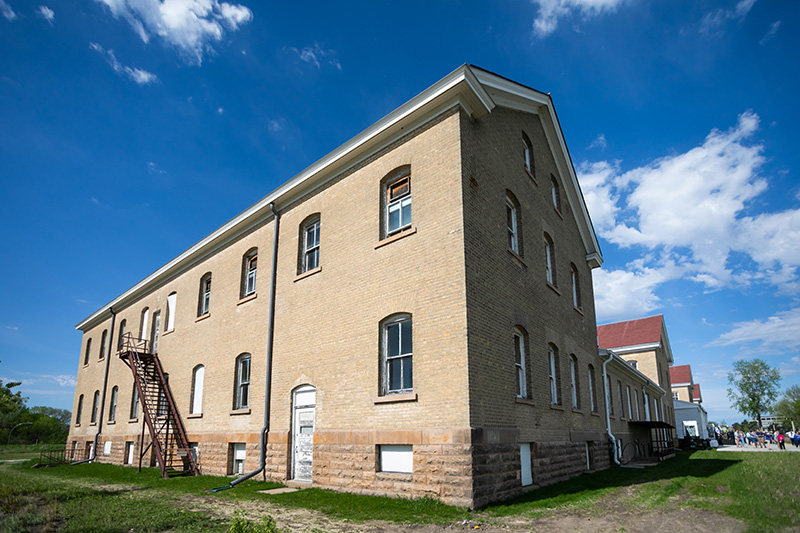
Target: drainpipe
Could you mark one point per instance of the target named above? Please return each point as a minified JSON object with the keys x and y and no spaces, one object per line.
{"x":107,"y":347}
{"x":607,"y":392}
{"x":270,"y":341}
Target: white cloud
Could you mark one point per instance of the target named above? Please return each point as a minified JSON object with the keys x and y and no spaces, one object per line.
{"x":142,"y":77}
{"x":550,"y":11}
{"x":62,"y":380}
{"x":630,"y":293}
{"x":316,"y":55}
{"x":46,"y":13}
{"x":599,"y":142}
{"x":152,"y":168}
{"x":6,"y":10}
{"x":773,"y":29}
{"x":12,"y":328}
{"x":781,"y":331}
{"x":713,"y":21}
{"x":792,"y":367}
{"x":189,"y":25}
{"x":274,"y":126}
{"x":220,"y":111}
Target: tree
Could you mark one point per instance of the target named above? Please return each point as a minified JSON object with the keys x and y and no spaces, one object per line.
{"x":789,"y":406}
{"x":754,"y":387}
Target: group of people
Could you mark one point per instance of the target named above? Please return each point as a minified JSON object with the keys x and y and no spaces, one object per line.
{"x":765,"y":439}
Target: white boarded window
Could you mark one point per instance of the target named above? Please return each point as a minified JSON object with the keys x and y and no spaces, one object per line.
{"x":143,"y":325}
{"x":397,"y":458}
{"x":197,"y":389}
{"x":128,"y":453}
{"x":525,"y":463}
{"x":107,"y":447}
{"x":172,"y":300}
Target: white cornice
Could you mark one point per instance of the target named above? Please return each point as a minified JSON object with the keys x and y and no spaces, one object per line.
{"x":635,"y":348}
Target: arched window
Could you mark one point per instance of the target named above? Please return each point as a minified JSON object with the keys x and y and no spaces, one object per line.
{"x":527,"y":154}
{"x":609,"y":395}
{"x":198,"y":376}
{"x":549,"y":258}
{"x":519,"y":362}
{"x":512,"y":222}
{"x":154,"y":331}
{"x":103,"y":343}
{"x":249,"y":269}
{"x":88,"y":351}
{"x":576,"y":286}
{"x":241,"y":396}
{"x":592,"y":389}
{"x":144,"y":323}
{"x":554,"y":374}
{"x":204,"y":300}
{"x":396,"y":194}
{"x":134,"y":402}
{"x":112,"y":405}
{"x":396,"y":354}
{"x":122,"y":329}
{"x":309,"y":243}
{"x":79,"y":410}
{"x":172,"y":301}
{"x":574,"y":382}
{"x":555,"y":193}
{"x":95,"y":406}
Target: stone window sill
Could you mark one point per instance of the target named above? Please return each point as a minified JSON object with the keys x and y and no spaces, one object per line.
{"x":396,"y":398}
{"x":245,"y":299}
{"x":524,"y":401}
{"x":553,"y":288}
{"x":235,"y":412}
{"x":396,"y":237}
{"x":577,"y":411}
{"x":308,"y":273}
{"x":195,"y":415}
{"x":394,"y":476}
{"x":530,"y":175}
{"x":579,"y":310}
{"x":595,"y":413}
{"x":92,"y":423}
{"x":202,"y":317}
{"x":168,"y":332}
{"x":558,"y":212}
{"x":111,"y":422}
{"x":133,"y":420}
{"x":556,"y":407}
{"x":517,"y":257}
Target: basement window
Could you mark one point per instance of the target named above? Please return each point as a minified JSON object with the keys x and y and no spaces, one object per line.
{"x":396,"y":458}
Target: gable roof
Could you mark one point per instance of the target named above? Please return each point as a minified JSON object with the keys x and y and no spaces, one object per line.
{"x":680,"y":375}
{"x":635,"y":335}
{"x":696,"y":393}
{"x":476,"y":90}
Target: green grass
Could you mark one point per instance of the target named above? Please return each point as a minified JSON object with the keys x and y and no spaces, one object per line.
{"x":26,"y":451}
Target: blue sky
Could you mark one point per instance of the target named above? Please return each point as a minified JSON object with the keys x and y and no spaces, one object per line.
{"x":129,"y":130}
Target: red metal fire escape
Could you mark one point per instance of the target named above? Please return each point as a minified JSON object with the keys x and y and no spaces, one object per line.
{"x":167,"y":434}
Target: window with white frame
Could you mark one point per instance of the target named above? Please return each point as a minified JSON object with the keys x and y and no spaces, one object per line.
{"x":95,"y":406}
{"x":397,"y":203}
{"x":609,"y":395}
{"x":88,"y":351}
{"x":112,"y":405}
{"x":630,"y":404}
{"x":555,"y":194}
{"x":592,"y":392}
{"x":573,"y":382}
{"x":525,"y":464}
{"x":634,"y":364}
{"x":675,"y":395}
{"x":103,"y":343}
{"x":198,"y":376}
{"x":172,"y":301}
{"x":552,"y":363}
{"x":154,"y":331}
{"x":241,"y":398}
{"x":134,"y":403}
{"x":636,"y":400}
{"x":396,"y":458}
{"x":549,"y":260}
{"x":527,"y":154}
{"x":123,"y":326}
{"x":621,"y":399}
{"x":143,"y":323}
{"x":576,"y":286}
{"x":397,"y":353}
{"x":512,"y":222}
{"x":309,"y":253}
{"x":204,"y":302}
{"x":519,"y":363}
{"x":249,"y":271}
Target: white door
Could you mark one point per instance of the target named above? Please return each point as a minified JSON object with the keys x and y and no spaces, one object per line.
{"x":303,"y":402}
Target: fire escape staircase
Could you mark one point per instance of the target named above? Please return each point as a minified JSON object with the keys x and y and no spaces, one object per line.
{"x":167,"y":434}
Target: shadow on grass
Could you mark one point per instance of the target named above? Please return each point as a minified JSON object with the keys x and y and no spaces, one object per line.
{"x":586,"y":489}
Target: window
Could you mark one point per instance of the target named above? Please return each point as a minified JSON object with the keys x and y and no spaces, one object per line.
{"x":134,"y":403}
{"x":397,"y":203}
{"x":592,"y":393}
{"x":107,"y":447}
{"x":646,"y":402}
{"x":172,"y":301}
{"x":238,"y":453}
{"x":396,"y":458}
{"x":512,"y":221}
{"x":636,"y":399}
{"x":154,"y":332}
{"x":79,"y":410}
{"x":128,"y":460}
{"x":549,"y":260}
{"x":397,"y":354}
{"x":122,"y":327}
{"x":634,"y":364}
{"x":88,"y":351}
{"x":526,"y":472}
{"x":552,"y":362}
{"x":576,"y":286}
{"x":519,"y":362}
{"x":95,"y":406}
{"x":204,"y":303}
{"x":621,"y":399}
{"x":555,"y":194}
{"x":249,"y":269}
{"x":112,"y":407}
{"x":242,"y":384}
{"x":103,"y":342}
{"x":143,"y":324}
{"x":573,"y":381}
{"x":675,"y":396}
{"x":630,"y":404}
{"x":527,"y":154}
{"x":309,"y":254}
{"x":609,"y":395}
{"x":198,"y":376}
{"x":163,"y":405}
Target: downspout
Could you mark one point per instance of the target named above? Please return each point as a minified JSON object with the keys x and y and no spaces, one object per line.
{"x":109,"y":340}
{"x":270,"y":342}
{"x":608,"y":418}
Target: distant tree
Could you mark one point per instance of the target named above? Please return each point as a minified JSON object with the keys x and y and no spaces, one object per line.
{"x":754,"y":387}
{"x":788,"y":406}
{"x":62,"y":415}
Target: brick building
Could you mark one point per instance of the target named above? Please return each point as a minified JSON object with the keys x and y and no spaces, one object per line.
{"x":411,"y":315}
